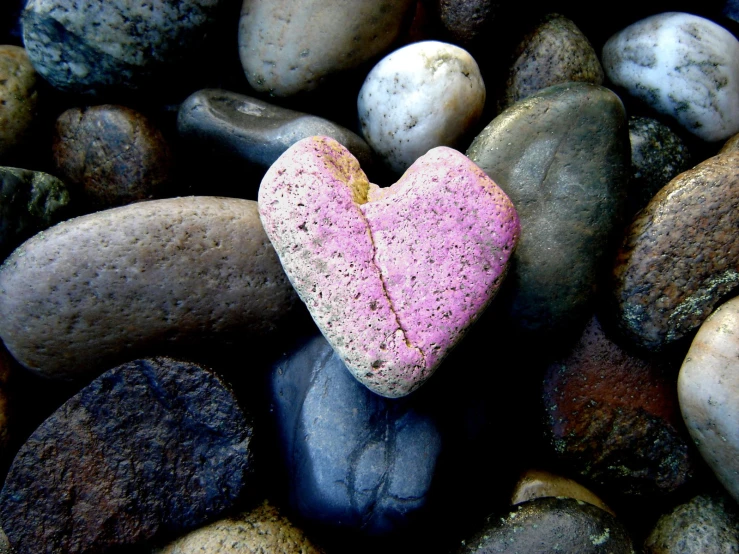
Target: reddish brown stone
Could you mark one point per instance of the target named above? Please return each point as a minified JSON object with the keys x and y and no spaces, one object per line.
{"x":615,"y":418}
{"x":680,"y":256}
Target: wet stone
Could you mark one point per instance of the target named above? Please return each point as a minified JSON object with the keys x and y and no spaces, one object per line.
{"x":151,"y":447}
{"x":18,"y":99}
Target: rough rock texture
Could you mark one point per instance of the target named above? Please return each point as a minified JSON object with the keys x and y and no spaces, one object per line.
{"x":562,"y":156}
{"x":708,"y":389}
{"x":18,"y":99}
{"x":7,"y":398}
{"x":152,"y":446}
{"x":551,"y":525}
{"x":254,"y":130}
{"x":706,"y":523}
{"x":466,"y":20}
{"x":30,"y":201}
{"x":393,"y":277}
{"x":354,"y":460}
{"x":261,"y":530}
{"x":731,"y":144}
{"x":683,"y":66}
{"x":116,"y":282}
{"x":87,"y":46}
{"x":555,"y":51}
{"x":614,"y":417}
{"x":680,"y":256}
{"x":535,"y":483}
{"x":658,"y":155}
{"x":289,"y":46}
{"x":113,"y":153}
{"x":423,"y":95}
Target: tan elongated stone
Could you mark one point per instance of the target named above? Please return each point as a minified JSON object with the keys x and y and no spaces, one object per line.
{"x":101,"y":287}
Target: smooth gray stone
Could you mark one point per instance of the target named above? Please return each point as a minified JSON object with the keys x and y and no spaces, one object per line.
{"x":562,"y":156}
{"x":254,"y":130}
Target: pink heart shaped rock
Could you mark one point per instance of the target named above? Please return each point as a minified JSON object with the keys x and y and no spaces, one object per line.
{"x":393,"y":277}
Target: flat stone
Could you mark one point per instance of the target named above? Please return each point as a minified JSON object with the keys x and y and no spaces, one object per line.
{"x":354,"y":460}
{"x":554,"y":51}
{"x":466,"y":20}
{"x":535,"y":483}
{"x":706,"y":523}
{"x":421,"y":96}
{"x":392,"y":279}
{"x":120,"y":281}
{"x":30,"y":201}
{"x":254,"y":130}
{"x":287,"y":47}
{"x":551,"y":525}
{"x":562,"y":156}
{"x":683,"y":66}
{"x":262,"y":529}
{"x":114,"y":154}
{"x":151,"y":447}
{"x":680,"y":256}
{"x":18,"y":99}
{"x":98,"y":47}
{"x":708,"y":389}
{"x":613,"y":417}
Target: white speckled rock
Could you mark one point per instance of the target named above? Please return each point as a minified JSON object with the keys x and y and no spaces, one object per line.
{"x":424,"y":95}
{"x":708,"y":391}
{"x":682,"y":65}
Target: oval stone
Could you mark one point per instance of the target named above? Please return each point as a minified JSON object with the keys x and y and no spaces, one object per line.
{"x":119,"y":281}
{"x":18,"y":98}
{"x":680,"y":256}
{"x":466,"y":20}
{"x":562,"y":156}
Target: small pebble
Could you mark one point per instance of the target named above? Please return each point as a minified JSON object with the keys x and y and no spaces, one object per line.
{"x":466,"y":21}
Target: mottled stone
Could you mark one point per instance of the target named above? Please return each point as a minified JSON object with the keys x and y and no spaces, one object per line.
{"x":708,"y":389}
{"x":466,"y":20}
{"x":536,"y":483}
{"x":423,"y":95}
{"x":614,"y":418}
{"x":550,"y":525}
{"x":289,"y":46}
{"x":390,"y":276}
{"x":30,"y":201}
{"x":7,"y":398}
{"x":354,"y":460}
{"x":4,"y":544}
{"x":555,"y":51}
{"x":113,"y":153}
{"x":119,"y":281}
{"x":562,"y":156}
{"x":683,"y":66}
{"x":256,"y":131}
{"x":680,"y":256}
{"x":18,"y":98}
{"x":88,"y":46}
{"x":704,"y":524}
{"x":731,"y":144}
{"x":151,"y":447}
{"x":262,"y":529}
{"x":658,"y":155}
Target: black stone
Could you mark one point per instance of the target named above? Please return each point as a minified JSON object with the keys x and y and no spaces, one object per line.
{"x":152,"y":447}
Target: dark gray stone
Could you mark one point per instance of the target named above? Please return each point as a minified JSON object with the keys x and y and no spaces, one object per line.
{"x":256,"y":131}
{"x":562,"y":156}
{"x":467,"y":20}
{"x":355,"y":460}
{"x":551,"y":525}
{"x":151,"y":447}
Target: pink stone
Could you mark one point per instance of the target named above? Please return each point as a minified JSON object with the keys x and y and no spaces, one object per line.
{"x":393,"y":277}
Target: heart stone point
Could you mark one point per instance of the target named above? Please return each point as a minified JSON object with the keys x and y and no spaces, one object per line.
{"x":393,"y":277}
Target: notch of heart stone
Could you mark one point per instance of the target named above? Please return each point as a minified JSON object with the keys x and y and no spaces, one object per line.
{"x":393,"y":277}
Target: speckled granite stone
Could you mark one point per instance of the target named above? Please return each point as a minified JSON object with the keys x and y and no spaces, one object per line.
{"x":18,"y":99}
{"x":466,"y":20}
{"x":393,"y":277}
{"x":680,"y":256}
{"x":117,"y":281}
{"x":683,"y":66}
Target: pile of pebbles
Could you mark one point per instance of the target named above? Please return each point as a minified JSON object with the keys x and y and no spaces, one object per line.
{"x":220,"y":336}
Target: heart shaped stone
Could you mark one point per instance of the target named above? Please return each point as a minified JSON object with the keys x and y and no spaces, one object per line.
{"x":393,"y":277}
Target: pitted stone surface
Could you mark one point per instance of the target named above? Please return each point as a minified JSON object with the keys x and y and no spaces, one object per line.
{"x":466,"y":20}
{"x":152,"y":446}
{"x":683,"y":66}
{"x":18,"y":98}
{"x":680,"y":256}
{"x":393,"y":277}
{"x":120,"y":281}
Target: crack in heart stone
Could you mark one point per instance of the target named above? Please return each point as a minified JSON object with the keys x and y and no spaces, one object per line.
{"x":393,"y":277}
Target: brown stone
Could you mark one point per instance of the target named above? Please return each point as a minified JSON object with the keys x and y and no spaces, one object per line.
{"x":536,"y":483}
{"x":18,"y":98}
{"x":113,"y":153}
{"x":731,"y":144}
{"x":680,"y":256}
